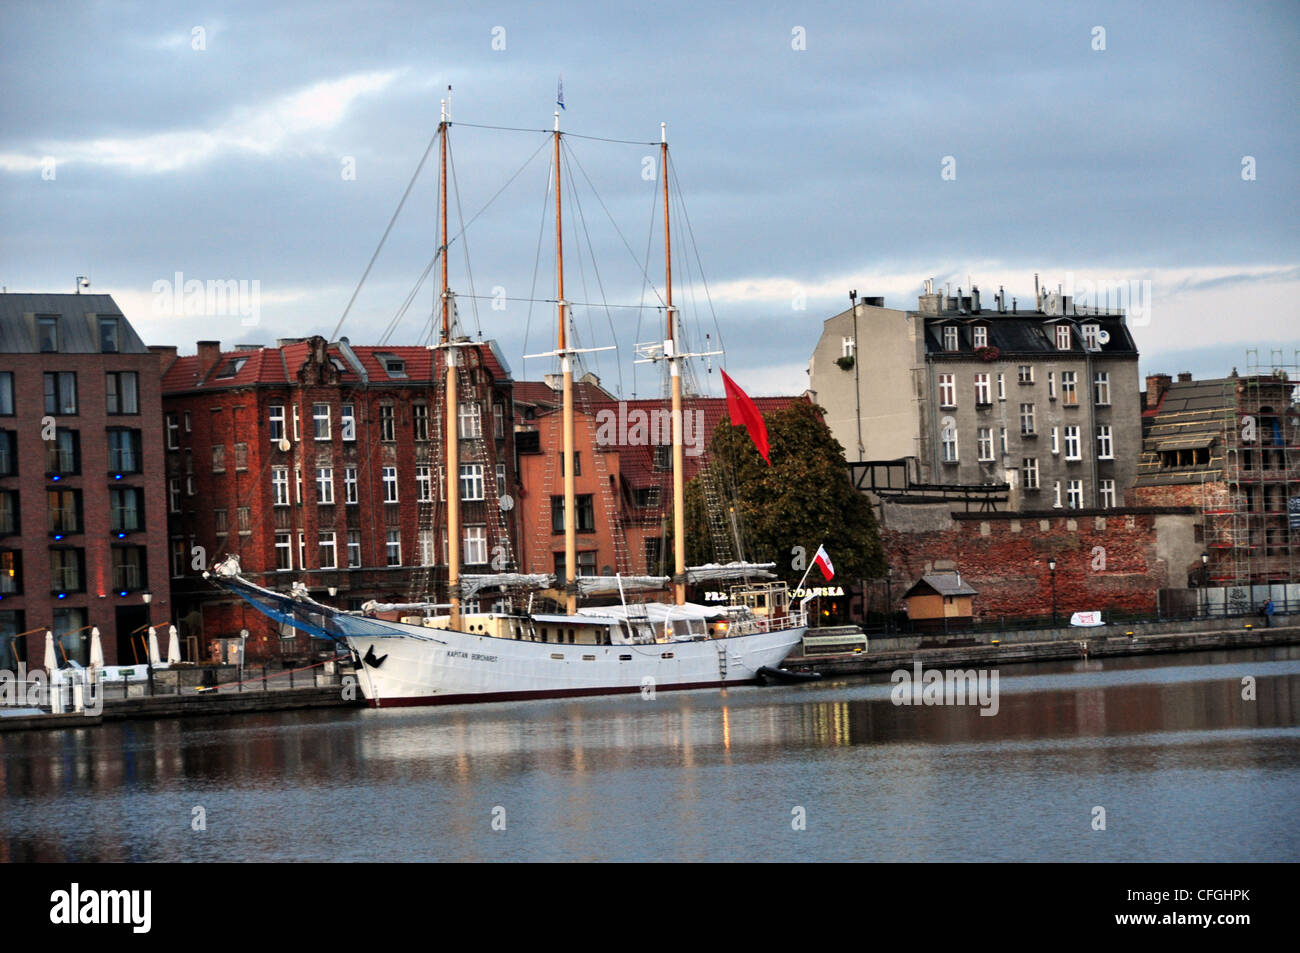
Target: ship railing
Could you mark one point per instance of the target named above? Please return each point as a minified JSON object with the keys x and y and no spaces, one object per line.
{"x":792,"y":619}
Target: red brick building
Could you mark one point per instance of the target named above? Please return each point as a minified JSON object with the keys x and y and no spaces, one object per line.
{"x":83,"y":537}
{"x":322,"y":463}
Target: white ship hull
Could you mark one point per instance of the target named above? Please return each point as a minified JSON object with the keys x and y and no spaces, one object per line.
{"x":422,"y":666}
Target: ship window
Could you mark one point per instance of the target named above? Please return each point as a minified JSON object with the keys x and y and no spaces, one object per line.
{"x":667,"y":655}
{"x":625,"y":658}
{"x":589,"y":658}
{"x":557,"y":655}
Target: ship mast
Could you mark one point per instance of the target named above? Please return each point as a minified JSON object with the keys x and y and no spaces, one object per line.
{"x":670,"y":352}
{"x":566,"y":369}
{"x":451,"y":476}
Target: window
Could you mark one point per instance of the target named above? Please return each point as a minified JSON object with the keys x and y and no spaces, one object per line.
{"x":1069,"y":396}
{"x":8,"y":452}
{"x":1056,"y":494}
{"x":476,"y":551}
{"x":469,"y":420}
{"x":424,"y":483}
{"x":390,"y":484}
{"x":950,"y":338}
{"x":126,"y":509}
{"x":1105,"y":446}
{"x":173,"y":432}
{"x":244,"y":517}
{"x":1002,"y":387}
{"x":230,"y":369}
{"x":11,"y":573}
{"x":179,"y":553}
{"x":108,"y":336}
{"x":585,"y":521}
{"x":279,"y":486}
{"x":8,"y":512}
{"x":276,"y":415}
{"x":296,"y":433}
{"x":1025,"y":373}
{"x":501,"y":480}
{"x":6,"y":394}
{"x":1029,"y":468}
{"x":1101,"y":388}
{"x":387,"y":423}
{"x":283,"y":552}
{"x":1090,"y":337}
{"x":420,"y":420}
{"x":980,"y":336}
{"x":393,"y":366}
{"x":1062,"y":337}
{"x":63,"y":453}
{"x":982,"y":389}
{"x":577,"y":463}
{"x":426,"y":544}
{"x":498,"y":421}
{"x":297,"y":484}
{"x":187,"y":421}
{"x":60,"y":392}
{"x":663,"y":458}
{"x":471,"y":481}
{"x":219,"y":521}
{"x":949,"y":445}
{"x":241,"y":456}
{"x":348,"y":421}
{"x":947,"y":391}
{"x":320,"y":418}
{"x":394,"y":547}
{"x":328,"y":555}
{"x":122,"y":392}
{"x":847,"y":347}
{"x":302,"y":550}
{"x":1027,"y":419}
{"x":67,"y":570}
{"x":1056,"y":440}
{"x":984,"y":444}
{"x":324,"y":485}
{"x":65,"y":511}
{"x":1051,"y":385}
{"x":129,"y":568}
{"x":1003,"y":439}
{"x":218,"y":458}
{"x":47,"y":334}
{"x":1074,"y":495}
{"x":124,"y":454}
{"x":349,"y":484}
{"x":1072,"y":443}
{"x":1107,"y":490}
{"x":354,"y":549}
{"x":174,"y":495}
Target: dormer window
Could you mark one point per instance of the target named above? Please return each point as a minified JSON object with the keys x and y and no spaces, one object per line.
{"x":108,"y":336}
{"x":393,"y":366}
{"x":980,"y":335}
{"x":1090,"y":337}
{"x":230,"y":368}
{"x":950,"y":338}
{"x":47,"y":334}
{"x":1062,"y":337}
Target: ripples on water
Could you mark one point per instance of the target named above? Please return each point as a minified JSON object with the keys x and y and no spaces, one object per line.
{"x":1185,"y":768}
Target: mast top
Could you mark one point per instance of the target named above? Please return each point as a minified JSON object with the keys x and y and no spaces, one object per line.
{"x":444,"y":110}
{"x":663,"y":132}
{"x":557,"y":120}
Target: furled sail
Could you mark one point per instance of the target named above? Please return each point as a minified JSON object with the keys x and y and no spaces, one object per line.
{"x":711,"y":572}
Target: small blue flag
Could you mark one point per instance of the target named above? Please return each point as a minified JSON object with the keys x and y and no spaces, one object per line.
{"x":559,"y":93}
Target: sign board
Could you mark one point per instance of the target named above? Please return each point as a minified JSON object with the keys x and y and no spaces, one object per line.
{"x":1087,"y":618}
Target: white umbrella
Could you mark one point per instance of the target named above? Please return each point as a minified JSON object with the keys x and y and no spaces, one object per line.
{"x":51,"y":660}
{"x":96,"y":649}
{"x":173,"y":646}
{"x":153,"y":646}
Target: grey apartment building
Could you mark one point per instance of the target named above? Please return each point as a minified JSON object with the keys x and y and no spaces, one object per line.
{"x":1045,"y":401}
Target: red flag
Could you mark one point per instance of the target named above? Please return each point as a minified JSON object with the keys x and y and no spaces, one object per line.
{"x":745,"y":413}
{"x":823,"y":562}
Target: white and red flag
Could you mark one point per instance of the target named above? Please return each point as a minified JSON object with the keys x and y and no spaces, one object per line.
{"x":823,"y":562}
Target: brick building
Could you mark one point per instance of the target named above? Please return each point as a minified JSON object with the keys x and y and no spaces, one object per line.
{"x":83,"y":538}
{"x":322,"y":463}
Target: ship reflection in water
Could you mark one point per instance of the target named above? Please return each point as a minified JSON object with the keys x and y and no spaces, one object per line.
{"x":1185,"y":767}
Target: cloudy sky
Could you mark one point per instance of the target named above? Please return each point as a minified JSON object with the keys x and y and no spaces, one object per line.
{"x":818,"y":147}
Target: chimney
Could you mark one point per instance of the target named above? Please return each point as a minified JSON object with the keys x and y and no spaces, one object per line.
{"x":974,"y":299}
{"x":1185,"y":377}
{"x":166,"y":356}
{"x":209,"y":355}
{"x":554,"y":381}
{"x":1157,"y":384}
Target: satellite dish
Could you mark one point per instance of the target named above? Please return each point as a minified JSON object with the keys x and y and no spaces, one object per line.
{"x":1103,"y":337}
{"x":284,"y":444}
{"x":506,"y":503}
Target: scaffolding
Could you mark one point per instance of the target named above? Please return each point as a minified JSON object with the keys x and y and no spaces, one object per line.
{"x":1252,"y":515}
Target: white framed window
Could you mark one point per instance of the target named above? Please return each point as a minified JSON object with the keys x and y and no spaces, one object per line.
{"x":1072,"y":449}
{"x":1025,"y":373}
{"x":950,"y":338}
{"x":173,"y":433}
{"x":1003,"y":439}
{"x":982,"y":389}
{"x":980,"y":336}
{"x":390,"y":485}
{"x":324,"y":485}
{"x":424,"y":484}
{"x":501,"y":480}
{"x":470,"y":419}
{"x":179,"y":553}
{"x":476,"y":553}
{"x":1051,"y":385}
{"x":302,"y":549}
{"x":499,"y":421}
{"x":279,"y":486}
{"x":847,"y":347}
{"x":354,"y":549}
{"x":1056,"y":494}
{"x":1107,"y":491}
{"x":1056,"y":440}
{"x":1029,"y":470}
{"x":348,"y":421}
{"x":1090,"y":337}
{"x":349,"y":484}
{"x":275,"y":416}
{"x":1062,"y":337}
{"x":949,"y":444}
{"x":1101,"y":388}
{"x":297,"y":484}
{"x":297,"y":430}
{"x":387,"y":423}
{"x":471,"y":481}
{"x":442,"y":485}
{"x":393,"y":547}
{"x":947,"y":391}
{"x":1027,"y":418}
{"x":328,"y":550}
{"x":187,"y":422}
{"x":1069,"y":395}
{"x":427,"y":552}
{"x":1002,"y":387}
{"x":984,"y":443}
{"x":320,"y":419}
{"x":1105,"y":445}
{"x":420,"y":420}
{"x":283,"y":552}
{"x":1074,"y":495}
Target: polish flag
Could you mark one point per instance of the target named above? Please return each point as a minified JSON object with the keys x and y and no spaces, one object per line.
{"x":744,"y":412}
{"x":823,"y":562}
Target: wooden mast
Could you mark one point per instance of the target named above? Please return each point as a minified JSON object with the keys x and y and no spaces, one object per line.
{"x":670,"y":351}
{"x":451,"y":475}
{"x":566,"y":369}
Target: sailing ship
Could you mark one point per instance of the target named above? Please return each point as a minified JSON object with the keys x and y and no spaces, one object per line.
{"x":439,"y":653}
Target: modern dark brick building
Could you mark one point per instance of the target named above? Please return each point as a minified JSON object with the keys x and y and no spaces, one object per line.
{"x":322,"y":463}
{"x":83,"y":534}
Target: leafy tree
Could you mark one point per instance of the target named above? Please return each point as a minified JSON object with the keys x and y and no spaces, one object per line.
{"x":803,"y":499}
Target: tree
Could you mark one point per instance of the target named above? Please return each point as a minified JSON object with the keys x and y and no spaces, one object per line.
{"x":804,"y":499}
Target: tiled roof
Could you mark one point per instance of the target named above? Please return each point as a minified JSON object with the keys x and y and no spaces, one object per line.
{"x":1191,"y":415}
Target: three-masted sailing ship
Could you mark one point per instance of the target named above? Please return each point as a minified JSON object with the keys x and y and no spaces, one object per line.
{"x":441,"y":654}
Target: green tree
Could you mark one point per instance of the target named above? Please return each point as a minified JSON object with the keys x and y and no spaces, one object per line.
{"x":803,"y":499}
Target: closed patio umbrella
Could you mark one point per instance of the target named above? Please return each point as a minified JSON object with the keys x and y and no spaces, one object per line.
{"x":153,"y":646}
{"x":51,"y":660}
{"x":96,"y":649}
{"x":173,"y":646}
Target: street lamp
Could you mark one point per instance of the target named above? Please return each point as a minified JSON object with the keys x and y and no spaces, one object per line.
{"x":243,"y":647}
{"x":1051,"y":564}
{"x":889,"y":599}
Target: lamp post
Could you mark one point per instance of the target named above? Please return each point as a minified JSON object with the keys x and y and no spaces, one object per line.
{"x":889,"y":600}
{"x":1051,"y":564}
{"x":243,"y":648}
{"x":1205,"y":581}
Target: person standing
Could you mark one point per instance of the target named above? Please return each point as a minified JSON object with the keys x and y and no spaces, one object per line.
{"x":1268,"y":614}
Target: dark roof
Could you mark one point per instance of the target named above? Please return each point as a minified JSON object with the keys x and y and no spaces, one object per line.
{"x":943,"y":584}
{"x":1191,"y":415}
{"x":78,"y":330}
{"x":1025,"y":333}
